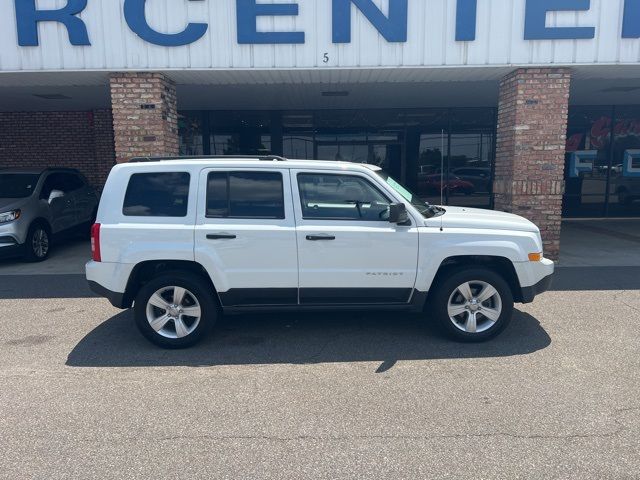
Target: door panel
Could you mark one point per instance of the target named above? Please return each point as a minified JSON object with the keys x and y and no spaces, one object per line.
{"x":63,"y":213}
{"x":61,"y":209}
{"x":83,"y":198}
{"x":253,"y":260}
{"x":85,"y":204}
{"x":367,"y":260}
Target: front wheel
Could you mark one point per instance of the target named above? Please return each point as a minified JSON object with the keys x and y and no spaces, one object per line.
{"x":38,"y":243}
{"x":472,"y":304}
{"x":175,"y":310}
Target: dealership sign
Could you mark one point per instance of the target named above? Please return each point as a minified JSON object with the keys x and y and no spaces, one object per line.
{"x":392,"y":26}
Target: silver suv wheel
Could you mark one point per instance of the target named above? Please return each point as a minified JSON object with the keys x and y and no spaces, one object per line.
{"x":40,"y":243}
{"x":474,"y":306}
{"x":173,"y":312}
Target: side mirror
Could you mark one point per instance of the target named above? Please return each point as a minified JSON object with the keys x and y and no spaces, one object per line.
{"x":398,"y":213}
{"x":55,"y":194}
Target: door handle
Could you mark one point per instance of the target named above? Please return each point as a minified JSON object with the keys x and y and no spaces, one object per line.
{"x":318,"y":238}
{"x":220,"y":236}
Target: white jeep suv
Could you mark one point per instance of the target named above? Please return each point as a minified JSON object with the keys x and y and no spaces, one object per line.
{"x":184,"y":239}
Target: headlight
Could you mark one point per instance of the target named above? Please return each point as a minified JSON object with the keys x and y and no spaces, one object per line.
{"x":7,"y":217}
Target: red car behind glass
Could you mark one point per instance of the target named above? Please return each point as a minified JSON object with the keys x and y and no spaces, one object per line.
{"x":433,"y":184}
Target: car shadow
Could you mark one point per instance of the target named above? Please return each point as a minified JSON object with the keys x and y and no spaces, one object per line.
{"x":303,"y":339}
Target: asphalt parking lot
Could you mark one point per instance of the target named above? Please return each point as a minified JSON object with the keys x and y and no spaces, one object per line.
{"x":321,"y":396}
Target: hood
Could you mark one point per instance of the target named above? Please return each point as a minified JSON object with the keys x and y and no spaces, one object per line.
{"x":463,"y":217}
{"x":8,"y":204}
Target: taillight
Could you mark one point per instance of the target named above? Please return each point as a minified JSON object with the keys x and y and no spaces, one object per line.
{"x":95,"y":243}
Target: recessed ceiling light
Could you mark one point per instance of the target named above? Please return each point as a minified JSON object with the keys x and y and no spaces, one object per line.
{"x":52,"y":96}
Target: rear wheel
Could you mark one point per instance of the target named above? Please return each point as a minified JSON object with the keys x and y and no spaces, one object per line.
{"x":38,"y":243}
{"x":175,"y":310}
{"x":472,"y":304}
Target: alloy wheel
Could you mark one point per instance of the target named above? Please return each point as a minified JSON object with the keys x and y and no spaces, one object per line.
{"x":474,"y":306}
{"x":40,"y":243}
{"x":173,"y":312}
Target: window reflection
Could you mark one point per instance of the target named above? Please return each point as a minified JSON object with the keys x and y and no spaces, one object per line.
{"x":624,"y":189}
{"x":190,"y":133}
{"x":587,"y":160}
{"x":298,"y":145}
{"x":407,"y":143}
{"x":463,"y":175}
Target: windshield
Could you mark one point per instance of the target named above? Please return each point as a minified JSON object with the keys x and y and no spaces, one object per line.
{"x":423,"y":207}
{"x":17,"y":185}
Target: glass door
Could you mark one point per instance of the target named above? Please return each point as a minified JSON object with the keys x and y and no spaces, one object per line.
{"x":383,"y":150}
{"x":456,"y":169}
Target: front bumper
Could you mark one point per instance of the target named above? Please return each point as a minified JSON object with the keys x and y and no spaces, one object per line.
{"x":534,"y":278}
{"x":15,"y":231}
{"x":529,"y":293}
{"x":9,"y":247}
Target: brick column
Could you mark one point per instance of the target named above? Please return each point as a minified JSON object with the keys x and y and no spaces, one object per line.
{"x":145,"y":117}
{"x":532,"y":129}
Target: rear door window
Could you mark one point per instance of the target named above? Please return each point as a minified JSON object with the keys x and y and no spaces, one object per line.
{"x":257,"y":195}
{"x":160,"y":194}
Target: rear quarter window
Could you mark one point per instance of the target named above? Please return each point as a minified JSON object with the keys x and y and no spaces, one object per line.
{"x":160,"y":194}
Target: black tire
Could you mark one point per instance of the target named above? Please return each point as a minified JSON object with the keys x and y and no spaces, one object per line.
{"x":447,"y":286}
{"x":197,"y":287}
{"x":38,"y":234}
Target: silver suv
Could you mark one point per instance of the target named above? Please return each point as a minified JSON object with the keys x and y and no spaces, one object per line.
{"x":37,"y":204}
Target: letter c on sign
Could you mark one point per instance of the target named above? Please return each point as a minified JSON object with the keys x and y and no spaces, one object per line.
{"x":135,"y":16}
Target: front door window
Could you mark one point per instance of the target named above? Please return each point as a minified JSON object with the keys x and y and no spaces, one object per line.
{"x":341,"y":197}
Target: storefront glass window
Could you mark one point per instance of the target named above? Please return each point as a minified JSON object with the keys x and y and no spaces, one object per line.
{"x":224,"y":144}
{"x":190,"y":133}
{"x":407,"y":143}
{"x":624,"y":181}
{"x":239,"y":133}
{"x":587,"y":161}
{"x":470,"y":179}
{"x":298,"y":145}
{"x":429,"y":182}
{"x":455,"y":163}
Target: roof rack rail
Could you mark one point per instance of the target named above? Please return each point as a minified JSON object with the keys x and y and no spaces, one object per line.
{"x":264,"y":158}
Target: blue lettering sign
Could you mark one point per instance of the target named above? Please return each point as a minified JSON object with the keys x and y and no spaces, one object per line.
{"x":248,"y":12}
{"x":631,"y":21}
{"x":535,"y":24}
{"x":393,"y":28}
{"x":582,"y":162}
{"x":631,"y":165}
{"x":135,"y":16}
{"x":27,"y":18}
{"x":466,"y":18}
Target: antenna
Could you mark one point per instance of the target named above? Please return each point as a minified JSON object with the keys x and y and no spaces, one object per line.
{"x":442,"y":168}
{"x":442,"y":176}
